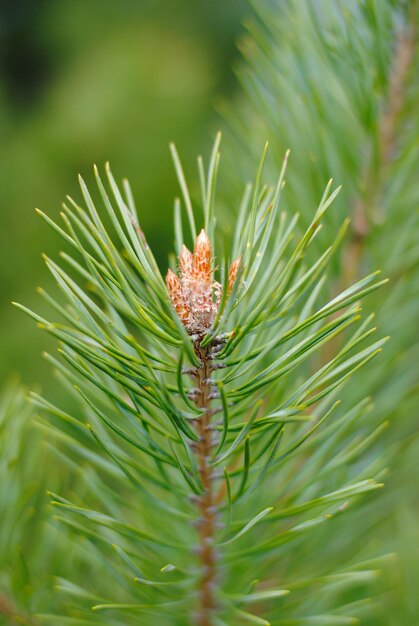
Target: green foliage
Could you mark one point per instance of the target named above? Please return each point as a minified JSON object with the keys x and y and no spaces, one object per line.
{"x":20,"y":510}
{"x":337,"y":83}
{"x":303,"y":534}
{"x":283,"y":460}
{"x":36,"y":555}
{"x":29,"y":550}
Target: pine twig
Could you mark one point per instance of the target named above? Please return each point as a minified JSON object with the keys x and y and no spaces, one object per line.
{"x":372,"y":181}
{"x":12,"y":615}
{"x":206,"y":505}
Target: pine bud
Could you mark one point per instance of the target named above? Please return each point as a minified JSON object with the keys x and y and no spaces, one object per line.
{"x":175,"y":292}
{"x":202,"y":258}
{"x":232,"y":274}
{"x":195,"y":295}
{"x":185,"y":262}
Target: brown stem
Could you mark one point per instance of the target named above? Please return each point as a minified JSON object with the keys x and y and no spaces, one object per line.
{"x":206,"y":502}
{"x":373,"y":173}
{"x":10,"y":613}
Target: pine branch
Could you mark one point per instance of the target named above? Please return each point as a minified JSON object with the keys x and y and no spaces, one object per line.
{"x":323,"y":79}
{"x":165,"y":458}
{"x":373,"y":178}
{"x":206,"y":502}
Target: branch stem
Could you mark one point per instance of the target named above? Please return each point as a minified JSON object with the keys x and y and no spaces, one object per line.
{"x":11,"y":614}
{"x":374,"y":170}
{"x":206,"y":502}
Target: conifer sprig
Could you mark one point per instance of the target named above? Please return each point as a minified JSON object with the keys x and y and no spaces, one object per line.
{"x":337,"y":83}
{"x":200,"y":395}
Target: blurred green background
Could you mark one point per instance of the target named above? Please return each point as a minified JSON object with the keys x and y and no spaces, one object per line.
{"x":83,"y":83}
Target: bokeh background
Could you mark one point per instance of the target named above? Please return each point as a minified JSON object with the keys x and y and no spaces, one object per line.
{"x":83,"y":83}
